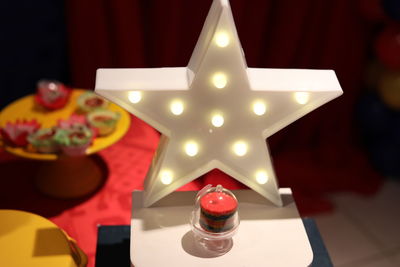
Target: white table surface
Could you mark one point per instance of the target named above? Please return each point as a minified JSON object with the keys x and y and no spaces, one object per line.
{"x":267,"y":235}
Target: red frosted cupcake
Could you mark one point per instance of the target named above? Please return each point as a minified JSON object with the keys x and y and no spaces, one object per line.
{"x":217,"y":212}
{"x":52,"y":94}
{"x":75,"y":140}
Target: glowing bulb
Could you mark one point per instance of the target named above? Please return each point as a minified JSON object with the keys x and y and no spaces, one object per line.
{"x":222,"y":39}
{"x":261,"y":177}
{"x":135,"y":97}
{"x":302,"y":97}
{"x":166,"y":177}
{"x":191,"y":148}
{"x":259,"y":108}
{"x":177,"y":107}
{"x":217,"y":120}
{"x":219,"y":80}
{"x":240,"y":148}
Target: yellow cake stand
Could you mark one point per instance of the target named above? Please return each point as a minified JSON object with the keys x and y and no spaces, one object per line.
{"x":59,"y":175}
{"x":27,"y":239}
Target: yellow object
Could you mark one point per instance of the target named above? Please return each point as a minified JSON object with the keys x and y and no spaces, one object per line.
{"x":27,"y":239}
{"x":26,"y":108}
{"x":389,"y":89}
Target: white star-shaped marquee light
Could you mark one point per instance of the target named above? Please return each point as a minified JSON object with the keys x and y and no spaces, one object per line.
{"x":216,"y":112}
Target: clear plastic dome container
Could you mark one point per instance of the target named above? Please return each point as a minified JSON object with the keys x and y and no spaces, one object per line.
{"x":215,"y":219}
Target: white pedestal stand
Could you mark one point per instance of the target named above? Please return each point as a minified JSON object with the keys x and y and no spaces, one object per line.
{"x":267,"y":235}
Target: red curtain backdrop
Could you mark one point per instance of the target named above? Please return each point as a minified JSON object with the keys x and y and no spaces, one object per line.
{"x":318,"y":154}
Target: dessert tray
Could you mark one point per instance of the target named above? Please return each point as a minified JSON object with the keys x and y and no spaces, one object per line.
{"x":26,"y":109}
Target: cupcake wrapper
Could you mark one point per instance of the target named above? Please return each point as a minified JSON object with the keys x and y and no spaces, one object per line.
{"x":75,"y":150}
{"x":215,"y":229}
{"x":217,"y":217}
{"x":47,"y":149}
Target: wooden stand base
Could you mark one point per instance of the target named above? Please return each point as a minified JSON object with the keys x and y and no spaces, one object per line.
{"x":70,"y":177}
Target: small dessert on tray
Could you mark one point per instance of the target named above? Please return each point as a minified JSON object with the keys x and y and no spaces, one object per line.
{"x":75,"y":140}
{"x":90,"y":101}
{"x":104,"y":121}
{"x":52,"y":94}
{"x":15,"y":134}
{"x":73,"y":120}
{"x":217,"y":211}
{"x":43,"y":140}
{"x":215,"y":219}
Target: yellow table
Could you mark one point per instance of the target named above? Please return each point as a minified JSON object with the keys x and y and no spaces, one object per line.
{"x":27,"y":239}
{"x":59,"y":175}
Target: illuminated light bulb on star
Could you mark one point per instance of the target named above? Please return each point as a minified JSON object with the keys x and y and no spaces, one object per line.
{"x":261,"y":177}
{"x":217,"y":120}
{"x":259,"y":108}
{"x":166,"y":176}
{"x":177,"y":107}
{"x":135,"y":97}
{"x":219,"y":80}
{"x":302,"y":97}
{"x":191,"y":148}
{"x":222,"y":39}
{"x":240,"y":148}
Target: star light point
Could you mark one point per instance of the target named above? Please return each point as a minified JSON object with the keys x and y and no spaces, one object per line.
{"x":216,"y":112}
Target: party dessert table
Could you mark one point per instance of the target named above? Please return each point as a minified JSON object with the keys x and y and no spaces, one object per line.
{"x":60,"y":175}
{"x":266,"y":236}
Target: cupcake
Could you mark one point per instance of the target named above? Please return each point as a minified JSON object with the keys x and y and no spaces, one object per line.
{"x":104,"y":121}
{"x":16,"y":133}
{"x":43,"y":140}
{"x":75,"y":140}
{"x":52,"y":94}
{"x":217,"y":211}
{"x":74,"y":120}
{"x":90,"y":101}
